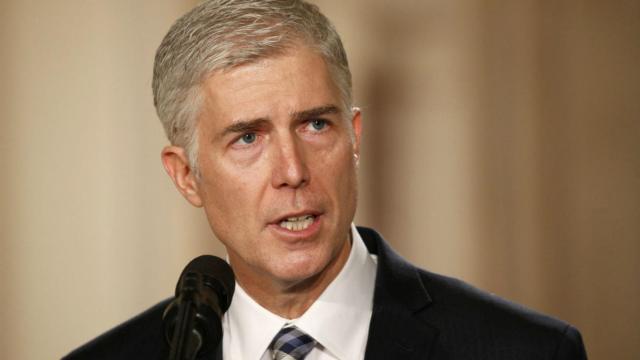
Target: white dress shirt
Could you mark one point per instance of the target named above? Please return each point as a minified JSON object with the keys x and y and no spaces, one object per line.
{"x":338,"y":320}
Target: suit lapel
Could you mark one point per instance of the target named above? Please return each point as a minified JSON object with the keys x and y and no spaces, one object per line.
{"x":398,"y":329}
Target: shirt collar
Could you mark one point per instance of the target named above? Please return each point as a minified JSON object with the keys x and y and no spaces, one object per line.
{"x":338,"y":317}
{"x":248,"y":327}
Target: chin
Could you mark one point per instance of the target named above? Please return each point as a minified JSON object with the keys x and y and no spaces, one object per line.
{"x":300,"y":270}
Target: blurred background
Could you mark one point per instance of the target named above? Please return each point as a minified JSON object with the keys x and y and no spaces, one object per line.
{"x":501,"y":146}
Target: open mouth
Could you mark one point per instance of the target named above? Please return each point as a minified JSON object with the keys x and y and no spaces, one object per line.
{"x":297,"y":223}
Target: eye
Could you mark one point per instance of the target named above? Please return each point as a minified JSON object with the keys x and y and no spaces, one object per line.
{"x":318,"y":124}
{"x":248,"y":138}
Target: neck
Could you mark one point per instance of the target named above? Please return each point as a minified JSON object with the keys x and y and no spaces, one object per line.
{"x":291,"y":300}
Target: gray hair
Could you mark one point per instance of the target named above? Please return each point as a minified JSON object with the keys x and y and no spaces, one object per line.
{"x":221,"y":34}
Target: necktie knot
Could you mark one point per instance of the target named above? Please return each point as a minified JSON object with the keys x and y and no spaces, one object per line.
{"x":290,"y":343}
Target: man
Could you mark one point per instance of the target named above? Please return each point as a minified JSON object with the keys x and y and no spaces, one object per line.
{"x":255,"y":97}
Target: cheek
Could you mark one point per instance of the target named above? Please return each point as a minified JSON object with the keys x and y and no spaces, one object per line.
{"x":338,"y":169}
{"x":229,"y":198}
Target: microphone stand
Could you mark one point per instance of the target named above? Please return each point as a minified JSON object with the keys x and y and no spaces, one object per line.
{"x":186,"y":341}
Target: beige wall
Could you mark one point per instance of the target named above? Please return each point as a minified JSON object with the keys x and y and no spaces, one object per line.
{"x":92,"y":231}
{"x":501,"y":146}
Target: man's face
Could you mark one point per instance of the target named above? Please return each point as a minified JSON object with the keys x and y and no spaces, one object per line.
{"x":277,"y":157}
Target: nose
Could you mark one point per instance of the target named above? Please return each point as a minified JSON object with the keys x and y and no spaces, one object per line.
{"x":290,"y":167}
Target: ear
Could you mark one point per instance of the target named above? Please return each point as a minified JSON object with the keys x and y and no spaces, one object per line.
{"x":176,"y":163}
{"x":356,"y":124}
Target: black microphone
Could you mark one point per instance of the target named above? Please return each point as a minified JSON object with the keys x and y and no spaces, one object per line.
{"x":192,"y":324}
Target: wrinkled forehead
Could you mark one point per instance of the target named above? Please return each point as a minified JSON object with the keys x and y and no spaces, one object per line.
{"x":288,"y":82}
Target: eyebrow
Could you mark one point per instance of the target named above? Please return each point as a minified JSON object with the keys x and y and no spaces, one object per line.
{"x":242,"y":126}
{"x":315,"y":112}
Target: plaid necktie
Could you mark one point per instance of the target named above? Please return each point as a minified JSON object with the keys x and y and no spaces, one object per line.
{"x":291,"y":344}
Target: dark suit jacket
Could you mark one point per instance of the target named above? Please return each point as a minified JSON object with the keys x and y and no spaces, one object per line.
{"x":416,"y":315}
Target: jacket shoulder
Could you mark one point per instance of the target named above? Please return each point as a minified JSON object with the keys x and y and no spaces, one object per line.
{"x":496,"y":325}
{"x":467,"y":322}
{"x":140,"y":337}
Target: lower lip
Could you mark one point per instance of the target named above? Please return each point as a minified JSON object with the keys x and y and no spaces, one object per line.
{"x":297,"y":235}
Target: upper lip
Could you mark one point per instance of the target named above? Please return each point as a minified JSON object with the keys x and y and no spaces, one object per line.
{"x":281,"y":218}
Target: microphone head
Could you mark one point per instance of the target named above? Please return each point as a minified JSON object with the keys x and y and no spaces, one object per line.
{"x":216,"y":274}
{"x":192,"y":321}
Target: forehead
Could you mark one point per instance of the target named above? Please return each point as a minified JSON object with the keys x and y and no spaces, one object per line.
{"x":293,"y":81}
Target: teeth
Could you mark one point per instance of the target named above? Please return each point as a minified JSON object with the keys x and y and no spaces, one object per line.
{"x":297,"y":223}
